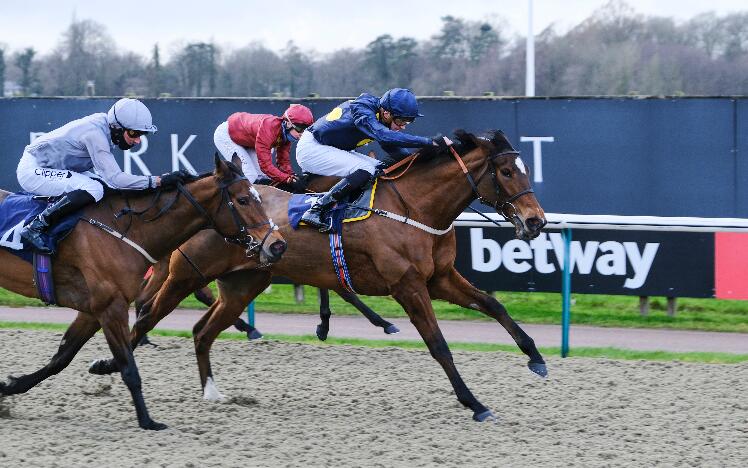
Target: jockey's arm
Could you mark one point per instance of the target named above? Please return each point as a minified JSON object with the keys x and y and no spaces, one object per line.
{"x":107,"y":168}
{"x":266,"y":137}
{"x":396,"y":152}
{"x":366,"y":121}
{"x":283,"y":158}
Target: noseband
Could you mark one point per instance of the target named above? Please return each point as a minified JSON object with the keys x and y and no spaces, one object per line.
{"x":500,"y":206}
{"x":244,"y":237}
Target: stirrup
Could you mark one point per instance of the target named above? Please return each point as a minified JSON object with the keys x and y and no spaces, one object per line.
{"x":325,"y":227}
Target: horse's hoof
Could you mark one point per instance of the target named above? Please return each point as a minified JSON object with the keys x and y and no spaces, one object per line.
{"x":103,"y":367}
{"x":254,"y":335}
{"x":391,"y":329}
{"x":538,"y":367}
{"x":6,"y":387}
{"x":321,"y":333}
{"x":485,"y":416}
{"x":153,"y":426}
{"x":145,"y":341}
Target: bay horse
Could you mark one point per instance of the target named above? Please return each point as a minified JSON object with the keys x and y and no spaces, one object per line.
{"x":194,"y":265}
{"x":99,"y":276}
{"x":387,"y":257}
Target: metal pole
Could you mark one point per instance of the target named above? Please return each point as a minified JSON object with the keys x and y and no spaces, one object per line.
{"x":530,"y":55}
{"x":566,"y":293}
{"x":251,"y":314}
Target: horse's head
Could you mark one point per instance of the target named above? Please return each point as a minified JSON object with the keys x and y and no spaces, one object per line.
{"x":504,"y":183}
{"x":239,"y":215}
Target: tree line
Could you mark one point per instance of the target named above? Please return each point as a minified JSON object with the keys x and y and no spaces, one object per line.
{"x":615,"y":51}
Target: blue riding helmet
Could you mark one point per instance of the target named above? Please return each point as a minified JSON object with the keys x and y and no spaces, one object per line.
{"x":400,"y":102}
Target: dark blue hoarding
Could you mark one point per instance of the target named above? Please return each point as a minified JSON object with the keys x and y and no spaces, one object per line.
{"x":622,"y":156}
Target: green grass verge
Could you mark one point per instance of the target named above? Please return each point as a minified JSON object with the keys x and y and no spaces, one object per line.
{"x":587,"y":309}
{"x":608,"y":353}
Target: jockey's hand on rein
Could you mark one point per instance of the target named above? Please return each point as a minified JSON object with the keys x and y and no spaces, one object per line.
{"x":297,"y":185}
{"x":172,"y":178}
{"x":441,"y":141}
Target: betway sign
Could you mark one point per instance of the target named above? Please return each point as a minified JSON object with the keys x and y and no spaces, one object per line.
{"x":609,"y":262}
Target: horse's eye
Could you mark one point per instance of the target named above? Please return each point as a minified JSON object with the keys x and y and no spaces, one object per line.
{"x":243,"y":200}
{"x":506,"y":172}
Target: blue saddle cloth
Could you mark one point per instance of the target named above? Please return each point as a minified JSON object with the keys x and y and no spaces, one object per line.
{"x":343,"y":212}
{"x":16,"y":211}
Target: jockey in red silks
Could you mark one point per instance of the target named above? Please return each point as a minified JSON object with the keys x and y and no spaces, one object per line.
{"x":253,"y":137}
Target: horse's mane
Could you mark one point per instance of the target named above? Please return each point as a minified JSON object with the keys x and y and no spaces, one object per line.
{"x":464,"y":142}
{"x":109,"y":192}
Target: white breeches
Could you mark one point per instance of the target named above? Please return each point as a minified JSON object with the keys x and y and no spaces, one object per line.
{"x":317,"y":158}
{"x":227,"y":148}
{"x":54,"y":182}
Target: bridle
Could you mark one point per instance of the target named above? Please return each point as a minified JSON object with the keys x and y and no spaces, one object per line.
{"x":243,"y":236}
{"x":506,"y":207}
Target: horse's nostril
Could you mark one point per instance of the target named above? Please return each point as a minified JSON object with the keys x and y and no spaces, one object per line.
{"x":535,"y":223}
{"x":277,"y":248}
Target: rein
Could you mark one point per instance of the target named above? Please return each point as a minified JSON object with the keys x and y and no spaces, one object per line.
{"x":243,"y":237}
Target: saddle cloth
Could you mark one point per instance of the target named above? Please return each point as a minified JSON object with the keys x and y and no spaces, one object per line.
{"x":342,"y":212}
{"x":16,"y":211}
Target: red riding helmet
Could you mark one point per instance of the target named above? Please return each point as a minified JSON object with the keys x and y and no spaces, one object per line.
{"x":298,"y":115}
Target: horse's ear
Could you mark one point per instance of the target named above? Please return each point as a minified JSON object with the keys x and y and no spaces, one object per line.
{"x":237,"y":161}
{"x":221,"y":166}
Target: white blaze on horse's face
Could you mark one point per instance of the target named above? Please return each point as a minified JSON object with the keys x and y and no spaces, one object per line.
{"x":255,"y":194}
{"x":520,"y":165}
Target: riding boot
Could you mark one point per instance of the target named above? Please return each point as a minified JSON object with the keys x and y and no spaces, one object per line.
{"x":67,"y":204}
{"x":314,"y":216}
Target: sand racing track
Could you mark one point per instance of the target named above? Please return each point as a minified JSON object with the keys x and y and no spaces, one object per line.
{"x":303,"y":405}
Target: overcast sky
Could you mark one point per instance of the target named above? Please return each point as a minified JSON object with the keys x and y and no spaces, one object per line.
{"x":321,"y":25}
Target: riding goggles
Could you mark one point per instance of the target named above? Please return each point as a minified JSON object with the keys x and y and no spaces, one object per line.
{"x":403,"y":121}
{"x":135,"y":133}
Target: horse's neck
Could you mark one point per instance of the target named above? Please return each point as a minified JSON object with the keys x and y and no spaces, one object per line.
{"x":164,"y":234}
{"x":436,"y":194}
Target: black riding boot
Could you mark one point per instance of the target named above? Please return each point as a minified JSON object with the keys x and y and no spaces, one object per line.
{"x":69,"y":203}
{"x":314,"y":216}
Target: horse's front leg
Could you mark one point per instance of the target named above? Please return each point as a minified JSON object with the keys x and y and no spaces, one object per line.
{"x":78,"y":333}
{"x":236,"y":290}
{"x":172,"y":292}
{"x":452,"y":287}
{"x":372,"y":316}
{"x":114,"y":322}
{"x":412,"y":294}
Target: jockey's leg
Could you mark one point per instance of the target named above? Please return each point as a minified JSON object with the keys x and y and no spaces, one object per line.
{"x":77,"y":189}
{"x":68,"y":204}
{"x":315,"y":215}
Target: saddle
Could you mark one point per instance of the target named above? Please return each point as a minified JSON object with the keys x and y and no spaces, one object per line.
{"x":16,"y":211}
{"x":356,"y":208}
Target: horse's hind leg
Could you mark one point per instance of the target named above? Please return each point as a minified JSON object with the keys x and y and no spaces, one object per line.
{"x":236,"y":290}
{"x":205,"y":295}
{"x":78,"y":333}
{"x":114,"y":322}
{"x":454,"y":288}
{"x":373,"y":317}
{"x":324,"y":314}
{"x":412,"y":294}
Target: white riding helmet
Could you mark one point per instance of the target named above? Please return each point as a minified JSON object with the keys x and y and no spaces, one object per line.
{"x":132,"y":115}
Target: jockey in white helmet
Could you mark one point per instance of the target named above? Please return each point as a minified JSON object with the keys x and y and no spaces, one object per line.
{"x":59,"y":163}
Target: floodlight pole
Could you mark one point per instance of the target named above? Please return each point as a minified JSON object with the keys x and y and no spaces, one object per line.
{"x":530,"y":55}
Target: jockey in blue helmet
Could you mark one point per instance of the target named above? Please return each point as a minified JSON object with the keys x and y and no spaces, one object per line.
{"x":328,"y":146}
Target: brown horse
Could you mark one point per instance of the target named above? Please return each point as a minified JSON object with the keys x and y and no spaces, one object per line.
{"x":385,"y":257}
{"x":99,"y":275}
